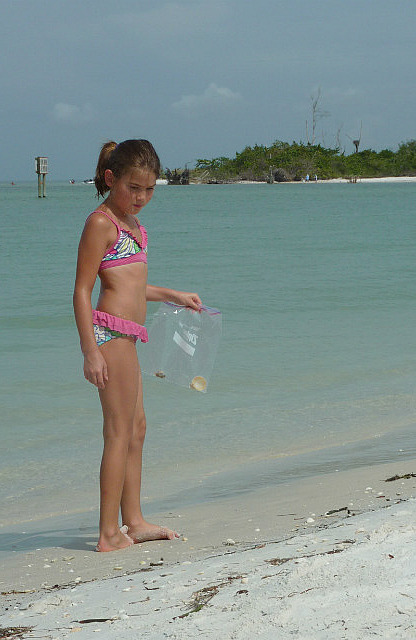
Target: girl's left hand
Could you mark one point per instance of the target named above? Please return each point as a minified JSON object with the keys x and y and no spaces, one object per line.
{"x":185,"y":299}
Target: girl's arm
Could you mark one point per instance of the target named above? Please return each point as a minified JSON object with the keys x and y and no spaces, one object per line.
{"x":183,"y":298}
{"x":92,"y":247}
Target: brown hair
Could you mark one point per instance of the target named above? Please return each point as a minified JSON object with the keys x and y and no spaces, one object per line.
{"x":130,"y":154}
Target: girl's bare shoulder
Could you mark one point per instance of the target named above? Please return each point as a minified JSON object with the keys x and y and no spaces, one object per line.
{"x":99,"y":223}
{"x":99,"y":220}
{"x":98,"y":234}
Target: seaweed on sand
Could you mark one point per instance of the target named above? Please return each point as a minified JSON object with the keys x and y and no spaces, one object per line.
{"x":14,"y":633}
{"x":203,"y":596}
{"x":406,"y":476}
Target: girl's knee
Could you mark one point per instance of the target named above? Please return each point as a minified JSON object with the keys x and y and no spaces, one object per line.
{"x":117,"y":430}
{"x":139,"y":428}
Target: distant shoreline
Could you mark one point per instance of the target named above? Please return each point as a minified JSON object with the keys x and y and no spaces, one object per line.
{"x":391,"y":179}
{"x":373,"y":180}
{"x":387,"y":179}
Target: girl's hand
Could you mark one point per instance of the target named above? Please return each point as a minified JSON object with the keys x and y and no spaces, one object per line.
{"x":95,"y":368}
{"x":181,"y":298}
{"x":191,"y":300}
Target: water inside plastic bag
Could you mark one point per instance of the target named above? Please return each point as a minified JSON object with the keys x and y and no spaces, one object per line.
{"x":182,"y":345}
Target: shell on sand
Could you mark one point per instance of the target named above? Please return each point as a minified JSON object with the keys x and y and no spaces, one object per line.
{"x":199,"y":383}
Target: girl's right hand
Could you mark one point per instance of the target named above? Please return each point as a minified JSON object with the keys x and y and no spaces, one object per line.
{"x":95,"y":368}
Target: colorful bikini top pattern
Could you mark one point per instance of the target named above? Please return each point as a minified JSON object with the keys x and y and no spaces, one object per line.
{"x":126,"y":248}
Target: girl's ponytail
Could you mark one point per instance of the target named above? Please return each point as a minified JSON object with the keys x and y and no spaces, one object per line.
{"x":103,"y":164}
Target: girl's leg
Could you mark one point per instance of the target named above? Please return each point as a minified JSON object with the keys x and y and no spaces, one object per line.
{"x":138,"y":528}
{"x":118,"y":401}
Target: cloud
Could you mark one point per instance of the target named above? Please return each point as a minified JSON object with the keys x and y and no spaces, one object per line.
{"x":72,"y":113}
{"x":212,"y":98}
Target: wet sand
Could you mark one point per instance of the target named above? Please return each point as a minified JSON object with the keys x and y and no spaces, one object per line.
{"x":316,"y":520}
{"x":59,"y":551}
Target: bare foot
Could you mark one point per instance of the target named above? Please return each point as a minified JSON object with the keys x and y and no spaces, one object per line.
{"x":145,"y":532}
{"x":120,"y":540}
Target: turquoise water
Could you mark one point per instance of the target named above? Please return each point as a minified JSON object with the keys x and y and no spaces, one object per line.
{"x":315,"y":371}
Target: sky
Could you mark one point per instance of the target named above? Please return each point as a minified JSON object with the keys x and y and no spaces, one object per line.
{"x":200,"y":78}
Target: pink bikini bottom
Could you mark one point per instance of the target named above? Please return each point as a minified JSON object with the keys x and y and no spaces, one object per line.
{"x":107,"y":327}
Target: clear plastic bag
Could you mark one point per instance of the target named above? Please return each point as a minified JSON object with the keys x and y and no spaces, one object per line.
{"x":182,"y":345}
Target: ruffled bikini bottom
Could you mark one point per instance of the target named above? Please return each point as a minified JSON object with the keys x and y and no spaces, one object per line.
{"x":107,"y":327}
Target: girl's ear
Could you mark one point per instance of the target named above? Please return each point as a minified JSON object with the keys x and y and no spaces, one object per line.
{"x":109,"y":178}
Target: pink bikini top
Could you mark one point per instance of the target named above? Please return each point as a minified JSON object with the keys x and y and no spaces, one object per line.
{"x":126,"y":248}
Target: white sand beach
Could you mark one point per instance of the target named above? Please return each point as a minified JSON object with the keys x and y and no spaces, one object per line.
{"x":384,"y":180}
{"x":392,"y":179}
{"x":330,"y":557}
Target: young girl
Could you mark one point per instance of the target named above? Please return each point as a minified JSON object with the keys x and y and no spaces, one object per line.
{"x":114,"y":246}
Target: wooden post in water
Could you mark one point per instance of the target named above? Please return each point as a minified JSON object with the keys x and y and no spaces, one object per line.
{"x":41,"y":168}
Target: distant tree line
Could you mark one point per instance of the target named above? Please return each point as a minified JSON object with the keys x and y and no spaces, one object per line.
{"x":286,"y":162}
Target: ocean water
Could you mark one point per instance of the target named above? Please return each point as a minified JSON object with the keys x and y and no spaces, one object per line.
{"x":316,"y":369}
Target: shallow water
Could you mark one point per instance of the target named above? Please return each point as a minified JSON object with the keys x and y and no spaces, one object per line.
{"x":316,"y":368}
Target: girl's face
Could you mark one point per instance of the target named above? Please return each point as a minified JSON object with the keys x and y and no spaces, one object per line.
{"x":132,"y":191}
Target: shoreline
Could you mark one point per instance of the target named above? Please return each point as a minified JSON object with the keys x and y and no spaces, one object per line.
{"x":384,"y":180}
{"x":315,"y":524}
{"x":215,"y":485}
{"x":40,"y":549}
{"x":162,"y":182}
